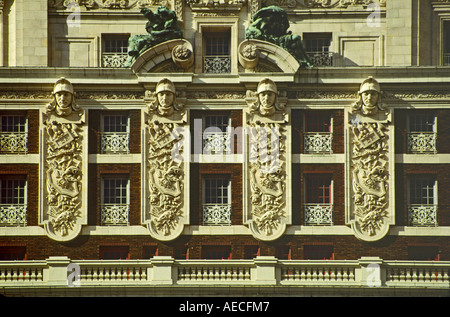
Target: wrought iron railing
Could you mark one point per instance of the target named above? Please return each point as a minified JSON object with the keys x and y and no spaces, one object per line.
{"x":216,"y":143}
{"x":422,"y":142}
{"x":217,"y":64}
{"x":446,"y":59}
{"x":13,"y":215}
{"x":115,"y":142}
{"x":318,"y":142}
{"x":114,"y":60}
{"x":318,"y":214}
{"x":216,"y":214}
{"x":321,"y":58}
{"x":115,"y":214}
{"x":13,"y":142}
{"x":422,"y":215}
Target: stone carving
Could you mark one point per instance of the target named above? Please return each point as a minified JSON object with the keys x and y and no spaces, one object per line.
{"x":317,"y":4}
{"x":369,"y":98}
{"x":165,"y":171}
{"x":267,"y":102}
{"x":162,"y":26}
{"x":371,"y":162}
{"x":63,"y":126}
{"x":104,"y":4}
{"x":271,"y":24}
{"x":266,"y":123}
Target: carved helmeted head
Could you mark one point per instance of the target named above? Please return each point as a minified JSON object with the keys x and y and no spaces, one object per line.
{"x":165,"y":94}
{"x":369,"y":97}
{"x":267,"y":95}
{"x":63,"y":98}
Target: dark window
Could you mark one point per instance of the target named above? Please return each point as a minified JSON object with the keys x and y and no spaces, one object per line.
{"x":423,"y":253}
{"x":318,"y":189}
{"x":217,"y":43}
{"x":114,"y":253}
{"x":150,"y":251}
{"x":11,"y":253}
{"x":217,"y":252}
{"x":318,"y":252}
{"x":283,"y":252}
{"x":181,"y":253}
{"x":317,"y":122}
{"x":251,"y":252}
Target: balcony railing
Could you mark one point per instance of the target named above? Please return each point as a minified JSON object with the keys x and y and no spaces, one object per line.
{"x":13,"y":215}
{"x":115,"y":214}
{"x":216,"y":214}
{"x":114,"y":60}
{"x":321,"y":58}
{"x":318,"y":214}
{"x":13,"y":142}
{"x":217,"y":64}
{"x":216,"y":143}
{"x":318,"y":142}
{"x":422,"y":142}
{"x":368,"y":273}
{"x":115,"y":142}
{"x":422,"y":215}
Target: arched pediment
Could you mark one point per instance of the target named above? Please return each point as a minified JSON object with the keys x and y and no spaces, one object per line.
{"x":253,"y":52}
{"x":178,"y":52}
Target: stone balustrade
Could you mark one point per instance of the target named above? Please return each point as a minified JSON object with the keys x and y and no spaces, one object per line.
{"x":262,"y":271}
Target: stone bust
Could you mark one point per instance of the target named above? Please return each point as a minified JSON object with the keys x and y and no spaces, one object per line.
{"x":266,"y":103}
{"x":369,"y":97}
{"x":165,"y":98}
{"x":63,"y":98}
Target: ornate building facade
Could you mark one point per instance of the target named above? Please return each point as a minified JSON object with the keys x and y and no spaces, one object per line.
{"x":243,"y":147}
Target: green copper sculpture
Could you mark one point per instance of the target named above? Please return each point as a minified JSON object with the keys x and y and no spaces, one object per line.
{"x":271,"y":24}
{"x":162,"y":26}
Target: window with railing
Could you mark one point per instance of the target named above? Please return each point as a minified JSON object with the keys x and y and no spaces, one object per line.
{"x":115,"y":200}
{"x":318,"y":207}
{"x":13,"y":202}
{"x":114,"y":50}
{"x":422,"y":133}
{"x":216,"y":135}
{"x":317,"y":46}
{"x":115,"y":135}
{"x":216,"y":200}
{"x":13,"y":134}
{"x":422,"y":200}
{"x":318,"y":134}
{"x":217,"y":52}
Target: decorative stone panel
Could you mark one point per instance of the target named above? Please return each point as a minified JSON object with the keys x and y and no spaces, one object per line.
{"x":370,"y":201}
{"x":63,"y":167}
{"x":166,"y":197}
{"x":268,"y":194}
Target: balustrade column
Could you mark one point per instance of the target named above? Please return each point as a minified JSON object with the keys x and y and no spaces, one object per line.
{"x":266,"y":270}
{"x":162,"y":270}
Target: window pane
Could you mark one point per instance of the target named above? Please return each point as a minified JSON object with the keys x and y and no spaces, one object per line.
{"x":12,"y":191}
{"x":318,"y":189}
{"x":115,"y":190}
{"x":216,"y":190}
{"x":422,"y":190}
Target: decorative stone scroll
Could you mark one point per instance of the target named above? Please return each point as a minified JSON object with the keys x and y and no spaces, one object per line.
{"x":63,"y":166}
{"x":266,"y":123}
{"x":166,"y":198}
{"x":370,"y":164}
